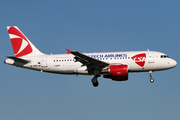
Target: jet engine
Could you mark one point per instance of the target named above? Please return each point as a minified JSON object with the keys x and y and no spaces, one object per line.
{"x":117,"y":72}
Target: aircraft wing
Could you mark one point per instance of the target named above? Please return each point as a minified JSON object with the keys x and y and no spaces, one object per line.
{"x":91,"y":63}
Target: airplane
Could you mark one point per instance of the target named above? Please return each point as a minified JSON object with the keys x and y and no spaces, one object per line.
{"x":111,"y":65}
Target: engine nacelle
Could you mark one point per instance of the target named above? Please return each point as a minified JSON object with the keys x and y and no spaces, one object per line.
{"x":118,"y":70}
{"x":118,"y":73}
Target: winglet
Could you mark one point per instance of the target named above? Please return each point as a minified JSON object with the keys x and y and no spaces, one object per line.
{"x":69,"y":51}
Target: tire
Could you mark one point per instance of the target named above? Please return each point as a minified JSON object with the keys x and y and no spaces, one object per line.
{"x":151,"y":80}
{"x":95,"y":82}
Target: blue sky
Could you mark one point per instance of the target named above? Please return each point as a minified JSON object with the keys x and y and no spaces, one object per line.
{"x":90,"y":26}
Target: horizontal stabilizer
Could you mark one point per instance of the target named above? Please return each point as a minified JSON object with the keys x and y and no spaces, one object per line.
{"x":18,"y":59}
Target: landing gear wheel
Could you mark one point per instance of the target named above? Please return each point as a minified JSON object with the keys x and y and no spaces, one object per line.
{"x":151,"y":80}
{"x":95,"y":82}
{"x":150,"y":74}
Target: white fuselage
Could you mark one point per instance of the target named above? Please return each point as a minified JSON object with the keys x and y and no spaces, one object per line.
{"x":137,"y":61}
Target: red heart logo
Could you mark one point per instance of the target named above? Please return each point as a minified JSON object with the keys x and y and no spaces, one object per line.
{"x":139,"y":59}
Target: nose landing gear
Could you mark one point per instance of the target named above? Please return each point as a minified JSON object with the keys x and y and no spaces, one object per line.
{"x":151,"y":79}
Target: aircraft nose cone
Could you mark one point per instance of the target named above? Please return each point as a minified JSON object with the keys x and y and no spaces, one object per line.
{"x":173,"y":63}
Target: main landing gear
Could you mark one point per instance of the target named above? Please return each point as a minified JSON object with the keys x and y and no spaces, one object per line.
{"x":94,"y":79}
{"x":151,"y":79}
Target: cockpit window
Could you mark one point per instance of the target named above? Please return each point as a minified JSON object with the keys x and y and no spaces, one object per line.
{"x":164,"y":56}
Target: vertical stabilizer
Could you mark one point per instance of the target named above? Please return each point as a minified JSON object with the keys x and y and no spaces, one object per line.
{"x":21,"y":44}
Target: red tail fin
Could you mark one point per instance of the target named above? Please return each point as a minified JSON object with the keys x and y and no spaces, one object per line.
{"x":20,"y":43}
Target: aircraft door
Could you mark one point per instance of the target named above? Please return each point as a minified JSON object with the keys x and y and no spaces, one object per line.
{"x":43,"y":62}
{"x":150,"y":57}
